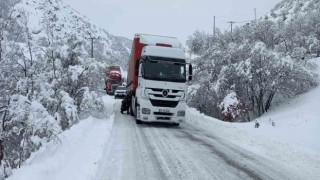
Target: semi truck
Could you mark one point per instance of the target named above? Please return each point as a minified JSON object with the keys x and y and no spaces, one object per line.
{"x":113,"y":79}
{"x":157,"y":79}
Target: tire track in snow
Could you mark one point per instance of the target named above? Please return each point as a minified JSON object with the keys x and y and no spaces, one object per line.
{"x":178,"y":161}
{"x":160,"y":148}
{"x":153,"y":157}
{"x":255,"y":166}
{"x":191,"y":153}
{"x":128,"y":154}
{"x":228,"y":160}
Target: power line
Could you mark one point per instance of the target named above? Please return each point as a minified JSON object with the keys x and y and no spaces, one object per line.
{"x":239,"y":22}
{"x":239,"y":15}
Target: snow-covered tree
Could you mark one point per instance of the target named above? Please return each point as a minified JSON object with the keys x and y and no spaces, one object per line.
{"x":47,"y":80}
{"x":259,"y":62}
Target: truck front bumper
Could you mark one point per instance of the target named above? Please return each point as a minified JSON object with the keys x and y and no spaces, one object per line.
{"x":150,"y":113}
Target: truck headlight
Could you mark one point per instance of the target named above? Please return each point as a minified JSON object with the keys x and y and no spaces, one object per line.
{"x":181,"y":113}
{"x":183,"y":96}
{"x":145,"y":94}
{"x":145,"y":111}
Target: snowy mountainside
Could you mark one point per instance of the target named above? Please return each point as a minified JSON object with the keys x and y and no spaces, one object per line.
{"x":62,"y":21}
{"x":288,"y":10}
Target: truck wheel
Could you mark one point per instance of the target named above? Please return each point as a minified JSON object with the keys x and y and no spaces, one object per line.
{"x":131,"y":111}
{"x":138,"y":121}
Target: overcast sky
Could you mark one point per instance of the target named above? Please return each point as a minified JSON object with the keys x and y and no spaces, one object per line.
{"x":179,"y":18}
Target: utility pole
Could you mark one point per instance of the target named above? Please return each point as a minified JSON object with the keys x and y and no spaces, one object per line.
{"x":214,"y":26}
{"x":92,"y":38}
{"x":231,"y":23}
{"x":255,"y":14}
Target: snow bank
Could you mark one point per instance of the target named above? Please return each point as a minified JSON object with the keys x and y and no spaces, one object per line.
{"x":77,"y":153}
{"x":75,"y":157}
{"x":284,"y":153}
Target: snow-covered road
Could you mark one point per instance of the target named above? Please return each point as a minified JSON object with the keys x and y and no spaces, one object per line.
{"x":158,"y":151}
{"x":201,"y":148}
{"x":128,"y":154}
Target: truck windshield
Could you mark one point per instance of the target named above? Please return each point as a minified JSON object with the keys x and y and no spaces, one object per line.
{"x":165,"y":69}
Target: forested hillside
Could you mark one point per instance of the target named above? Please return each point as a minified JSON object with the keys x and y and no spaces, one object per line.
{"x":290,"y":10}
{"x":241,"y":74}
{"x":48,"y":79}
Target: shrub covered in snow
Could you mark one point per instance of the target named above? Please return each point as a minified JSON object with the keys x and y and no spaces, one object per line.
{"x":260,"y":62}
{"x":92,"y":104}
{"x":28,"y":125}
{"x":230,"y":107}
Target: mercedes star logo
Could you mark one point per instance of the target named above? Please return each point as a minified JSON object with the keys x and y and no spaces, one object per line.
{"x":165,"y":92}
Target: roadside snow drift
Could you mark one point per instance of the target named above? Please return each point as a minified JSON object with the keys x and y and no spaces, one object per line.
{"x":77,"y":154}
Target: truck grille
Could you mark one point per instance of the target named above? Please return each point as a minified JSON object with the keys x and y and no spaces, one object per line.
{"x":157,"y":90}
{"x":160,"y":90}
{"x":160,"y":95}
{"x":160,"y":103}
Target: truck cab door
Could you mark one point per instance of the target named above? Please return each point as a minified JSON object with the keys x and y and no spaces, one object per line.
{"x":141,"y":75}
{"x":141,"y":82}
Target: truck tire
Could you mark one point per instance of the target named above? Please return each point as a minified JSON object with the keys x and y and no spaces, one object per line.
{"x":138,"y":121}
{"x":131,"y":111}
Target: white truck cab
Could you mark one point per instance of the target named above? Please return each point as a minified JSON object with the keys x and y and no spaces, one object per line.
{"x":161,"y":91}
{"x":161,"y":70}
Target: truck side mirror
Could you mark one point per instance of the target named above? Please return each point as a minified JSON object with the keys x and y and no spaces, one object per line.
{"x":190,"y":69}
{"x":140,"y":71}
{"x":190,"y":72}
{"x":136,"y":71}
